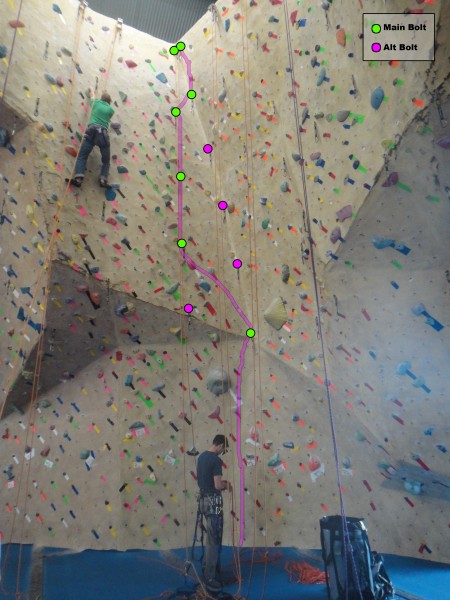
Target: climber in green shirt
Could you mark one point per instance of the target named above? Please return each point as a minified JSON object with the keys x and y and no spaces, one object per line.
{"x":96,"y":135}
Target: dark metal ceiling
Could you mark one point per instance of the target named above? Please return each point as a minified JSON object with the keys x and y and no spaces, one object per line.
{"x":167,"y":20}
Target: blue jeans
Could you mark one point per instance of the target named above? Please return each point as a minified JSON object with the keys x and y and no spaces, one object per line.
{"x":94,"y":136}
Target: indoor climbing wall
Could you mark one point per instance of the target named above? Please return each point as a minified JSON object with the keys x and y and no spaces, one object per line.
{"x":293,"y":215}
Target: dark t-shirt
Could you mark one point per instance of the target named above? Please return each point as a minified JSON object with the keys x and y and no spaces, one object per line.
{"x":208,"y":465}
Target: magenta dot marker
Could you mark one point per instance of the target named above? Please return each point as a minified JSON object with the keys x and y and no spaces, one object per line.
{"x":237,"y":264}
{"x":222,"y":205}
{"x":207,"y":148}
{"x":376,"y":47}
{"x":188,"y":308}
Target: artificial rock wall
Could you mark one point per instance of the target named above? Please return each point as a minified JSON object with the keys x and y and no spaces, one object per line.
{"x":105,"y":455}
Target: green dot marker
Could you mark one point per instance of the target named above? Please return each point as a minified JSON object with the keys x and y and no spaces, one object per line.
{"x":376,"y":28}
{"x":191,"y":94}
{"x":176,"y":112}
{"x":173,"y":50}
{"x":250,"y":333}
{"x":181,"y":46}
{"x":181,"y":243}
{"x":181,"y":176}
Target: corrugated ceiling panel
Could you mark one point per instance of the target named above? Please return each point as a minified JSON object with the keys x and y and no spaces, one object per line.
{"x":167,"y":20}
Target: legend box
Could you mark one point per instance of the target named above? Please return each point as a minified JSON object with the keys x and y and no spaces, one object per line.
{"x":398,"y":36}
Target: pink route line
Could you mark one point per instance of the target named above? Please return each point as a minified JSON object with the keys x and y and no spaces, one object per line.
{"x":214,"y":279}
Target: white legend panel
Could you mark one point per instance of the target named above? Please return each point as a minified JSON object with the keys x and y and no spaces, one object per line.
{"x":398,"y":36}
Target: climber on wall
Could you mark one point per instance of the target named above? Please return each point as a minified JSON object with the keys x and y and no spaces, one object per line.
{"x":210,"y":506}
{"x":96,"y":135}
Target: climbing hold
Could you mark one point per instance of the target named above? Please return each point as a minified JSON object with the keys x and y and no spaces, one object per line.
{"x":344,"y":213}
{"x":276,"y":314}
{"x":130,"y":64}
{"x":214,"y":337}
{"x":284,"y":187}
{"x":162,"y":78}
{"x":71,"y":150}
{"x":391,"y":180}
{"x":3,"y":51}
{"x":50,"y":79}
{"x":335,"y":235}
{"x":227,"y":25}
{"x":265,"y":223}
{"x":66,"y":51}
{"x":377,"y":97}
{"x":173,"y":289}
{"x":381,"y":243}
{"x":16,"y":24}
{"x":123,"y":96}
{"x":285,"y":273}
{"x":57,"y":9}
{"x":342,"y":115}
{"x":315,"y":156}
{"x":231,"y":207}
{"x":340,"y":37}
{"x":296,"y":157}
{"x":116,"y":126}
{"x":59,"y":81}
{"x":122,"y":169}
{"x":413,"y":487}
{"x":321,"y":76}
{"x":4,"y":137}
{"x":222,"y":95}
{"x":444,"y":142}
{"x":218,"y":381}
{"x":84,"y":454}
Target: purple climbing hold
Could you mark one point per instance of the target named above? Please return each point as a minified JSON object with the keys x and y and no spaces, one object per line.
{"x":344,"y":213}
{"x":391,"y":180}
{"x":444,"y":142}
{"x":335,"y":235}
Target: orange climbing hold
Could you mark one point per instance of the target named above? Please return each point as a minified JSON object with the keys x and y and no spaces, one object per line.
{"x":340,"y":37}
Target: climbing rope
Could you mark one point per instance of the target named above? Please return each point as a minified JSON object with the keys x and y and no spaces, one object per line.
{"x":316,"y":294}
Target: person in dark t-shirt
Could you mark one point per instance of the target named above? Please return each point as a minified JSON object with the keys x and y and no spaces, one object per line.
{"x":210,"y":505}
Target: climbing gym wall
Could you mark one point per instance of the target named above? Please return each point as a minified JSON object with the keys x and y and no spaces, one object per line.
{"x":269,"y":256}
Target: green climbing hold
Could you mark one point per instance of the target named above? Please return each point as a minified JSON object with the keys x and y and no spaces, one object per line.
{"x":265,"y":223}
{"x":122,"y":169}
{"x":123,"y":96}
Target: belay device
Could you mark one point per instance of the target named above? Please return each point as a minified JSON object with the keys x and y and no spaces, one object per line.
{"x":353,"y":571}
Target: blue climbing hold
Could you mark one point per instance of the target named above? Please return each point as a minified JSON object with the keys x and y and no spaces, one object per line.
{"x":110,"y":194}
{"x":57,"y":9}
{"x":321,"y":76}
{"x":161,"y":77}
{"x":377,"y":97}
{"x":381,"y":243}
{"x":418,"y":309}
{"x":227,"y":25}
{"x":3,"y":51}
{"x":403,"y":368}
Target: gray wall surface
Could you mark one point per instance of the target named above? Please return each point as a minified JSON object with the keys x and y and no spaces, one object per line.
{"x":167,"y":20}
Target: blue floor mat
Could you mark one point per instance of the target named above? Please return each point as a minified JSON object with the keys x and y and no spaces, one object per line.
{"x":148,"y":575}
{"x":16,"y":567}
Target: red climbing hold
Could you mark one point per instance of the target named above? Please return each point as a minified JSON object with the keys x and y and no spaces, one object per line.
{"x":71,"y":150}
{"x":16,"y":24}
{"x":130,"y":64}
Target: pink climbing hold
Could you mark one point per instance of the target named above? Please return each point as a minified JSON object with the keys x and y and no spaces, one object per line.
{"x":130,"y":64}
{"x":16,"y":24}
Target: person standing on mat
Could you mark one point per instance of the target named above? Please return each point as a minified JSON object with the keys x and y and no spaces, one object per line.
{"x":210,"y":505}
{"x":96,"y":135}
